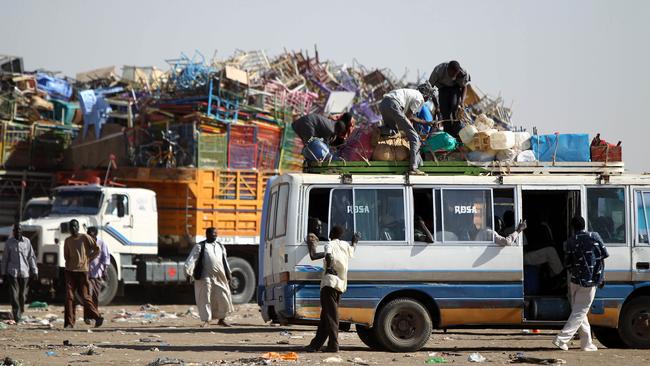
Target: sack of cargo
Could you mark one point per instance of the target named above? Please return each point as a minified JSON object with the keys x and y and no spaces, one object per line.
{"x":525,"y":156}
{"x":502,"y":140}
{"x":572,"y":147}
{"x":316,"y":150}
{"x":440,"y":141}
{"x":358,"y":147}
{"x":481,"y":156}
{"x":481,"y":141}
{"x":603,"y":151}
{"x":506,"y":155}
{"x":385,"y":152}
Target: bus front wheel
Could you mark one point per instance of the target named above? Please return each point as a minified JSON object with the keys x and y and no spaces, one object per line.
{"x":608,"y":337}
{"x":635,"y":323}
{"x":403,"y":325}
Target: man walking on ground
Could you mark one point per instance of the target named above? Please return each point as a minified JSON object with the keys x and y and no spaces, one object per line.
{"x":585,"y":260}
{"x":451,"y":81}
{"x":208,"y":265}
{"x":18,"y":266}
{"x":334,"y":283}
{"x":315,"y":125}
{"x":98,"y":266}
{"x":398,"y":109}
{"x":78,"y":250}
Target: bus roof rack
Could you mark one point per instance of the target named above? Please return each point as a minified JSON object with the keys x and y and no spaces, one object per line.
{"x":465,"y":167}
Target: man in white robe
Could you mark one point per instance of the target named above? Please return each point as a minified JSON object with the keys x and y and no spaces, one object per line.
{"x":211,"y":285}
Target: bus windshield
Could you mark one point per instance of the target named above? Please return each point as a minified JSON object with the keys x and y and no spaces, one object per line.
{"x":76,"y":202}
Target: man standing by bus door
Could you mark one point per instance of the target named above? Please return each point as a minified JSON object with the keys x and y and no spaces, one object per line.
{"x":585,"y":261}
{"x":334,"y":283}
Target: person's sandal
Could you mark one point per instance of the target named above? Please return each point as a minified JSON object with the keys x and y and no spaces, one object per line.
{"x":417,"y":172}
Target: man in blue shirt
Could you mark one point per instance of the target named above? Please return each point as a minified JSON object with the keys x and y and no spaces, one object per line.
{"x":18,"y":265}
{"x":585,"y":261}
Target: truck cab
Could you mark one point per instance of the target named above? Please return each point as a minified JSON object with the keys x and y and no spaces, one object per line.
{"x":37,"y":207}
{"x":126,"y":218}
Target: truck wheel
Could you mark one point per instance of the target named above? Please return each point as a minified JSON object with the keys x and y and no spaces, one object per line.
{"x":634,"y":327}
{"x":403,"y":325}
{"x":108,"y":290}
{"x":608,"y":337}
{"x":368,"y":337}
{"x":242,"y":285}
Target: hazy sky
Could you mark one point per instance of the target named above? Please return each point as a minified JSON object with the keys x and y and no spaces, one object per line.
{"x":569,"y":66}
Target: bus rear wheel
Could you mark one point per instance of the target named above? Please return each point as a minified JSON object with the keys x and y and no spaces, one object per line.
{"x":635,"y":323}
{"x":403,"y":325}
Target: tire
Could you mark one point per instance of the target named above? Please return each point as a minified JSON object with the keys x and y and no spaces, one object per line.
{"x":634,"y":327}
{"x":609,"y":337}
{"x":108,"y":290}
{"x":368,"y":337}
{"x":242,"y":286}
{"x":403,"y":325}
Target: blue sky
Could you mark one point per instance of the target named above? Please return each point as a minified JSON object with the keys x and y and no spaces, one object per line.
{"x":568,"y":66}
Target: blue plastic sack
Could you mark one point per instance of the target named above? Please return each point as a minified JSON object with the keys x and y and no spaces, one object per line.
{"x":55,"y":87}
{"x":316,"y":150}
{"x":570,"y":147}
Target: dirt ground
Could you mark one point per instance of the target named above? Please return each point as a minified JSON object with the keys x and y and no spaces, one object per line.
{"x":133,"y":335}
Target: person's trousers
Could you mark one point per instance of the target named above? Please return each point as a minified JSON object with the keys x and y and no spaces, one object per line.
{"x":394,"y":117}
{"x":18,"y":289}
{"x":449,"y":99}
{"x":77,"y":282}
{"x":212,"y":299}
{"x":95,"y":289}
{"x":546,"y":255}
{"x":328,"y":327}
{"x":581,"y":299}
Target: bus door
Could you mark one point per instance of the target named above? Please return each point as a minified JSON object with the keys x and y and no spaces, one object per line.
{"x":641,"y":250}
{"x":548,"y":211}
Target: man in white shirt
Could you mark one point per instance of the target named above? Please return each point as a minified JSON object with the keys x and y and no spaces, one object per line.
{"x":398,"y":110}
{"x":334,"y":283}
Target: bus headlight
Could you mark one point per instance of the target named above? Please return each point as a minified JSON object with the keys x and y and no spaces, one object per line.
{"x":49,"y":258}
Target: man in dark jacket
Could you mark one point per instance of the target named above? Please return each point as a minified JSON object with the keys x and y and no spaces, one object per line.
{"x":315,"y":125}
{"x":451,"y":81}
{"x":585,"y":261}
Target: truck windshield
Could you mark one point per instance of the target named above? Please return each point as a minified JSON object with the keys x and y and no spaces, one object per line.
{"x":36,"y":210}
{"x":76,"y":202}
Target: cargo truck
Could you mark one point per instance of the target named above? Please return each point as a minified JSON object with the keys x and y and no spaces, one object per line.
{"x":150,"y":218}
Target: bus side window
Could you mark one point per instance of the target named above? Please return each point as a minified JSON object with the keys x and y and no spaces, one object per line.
{"x":467,"y":215}
{"x":643,"y":216}
{"x":422,"y":213}
{"x":342,"y":211}
{"x":270,"y":224}
{"x":606,"y":213}
{"x":318,"y":212}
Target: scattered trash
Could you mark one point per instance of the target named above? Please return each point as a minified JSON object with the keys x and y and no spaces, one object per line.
{"x":50,"y":353}
{"x":359,"y":361}
{"x":333,"y":359}
{"x":154,"y":349}
{"x":250,"y":361}
{"x":149,"y":307}
{"x":150,"y":340}
{"x":288,"y":356}
{"x":285,"y":333}
{"x":37,"y":305}
{"x":8,"y":361}
{"x":282,"y":341}
{"x":476,"y":357}
{"x":436,"y":360}
{"x":522,"y":358}
{"x":164,"y":361}
{"x":3,"y":326}
{"x":67,"y":343}
{"x":90,"y":351}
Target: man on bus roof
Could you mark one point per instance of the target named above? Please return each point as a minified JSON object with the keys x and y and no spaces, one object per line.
{"x":333,"y":132}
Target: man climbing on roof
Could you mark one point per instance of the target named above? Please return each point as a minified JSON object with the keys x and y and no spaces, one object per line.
{"x":398,"y":110}
{"x":333,"y":132}
{"x":451,"y":81}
